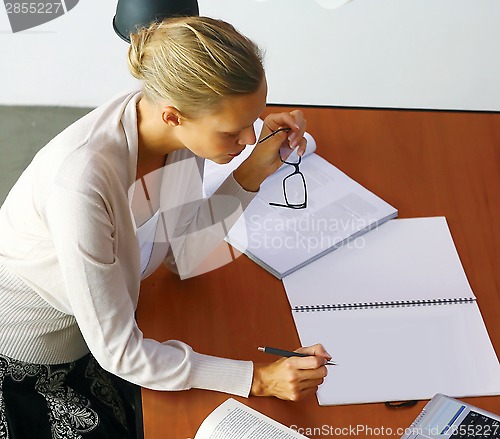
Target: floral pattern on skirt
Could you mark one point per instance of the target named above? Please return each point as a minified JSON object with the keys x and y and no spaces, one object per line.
{"x":76,"y":400}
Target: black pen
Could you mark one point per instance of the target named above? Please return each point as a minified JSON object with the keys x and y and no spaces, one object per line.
{"x":283,"y":353}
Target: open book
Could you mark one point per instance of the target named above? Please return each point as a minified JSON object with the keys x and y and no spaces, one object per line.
{"x":281,"y":239}
{"x":234,"y":420}
{"x":395,"y":310}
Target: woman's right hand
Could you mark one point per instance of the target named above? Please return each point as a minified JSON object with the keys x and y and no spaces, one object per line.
{"x":265,"y":157}
{"x":291,"y":378}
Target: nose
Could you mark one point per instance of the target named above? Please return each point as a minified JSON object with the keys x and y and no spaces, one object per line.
{"x":247,"y":136}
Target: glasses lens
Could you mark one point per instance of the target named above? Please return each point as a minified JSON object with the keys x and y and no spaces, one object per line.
{"x":295,"y":189}
{"x":289,"y":156}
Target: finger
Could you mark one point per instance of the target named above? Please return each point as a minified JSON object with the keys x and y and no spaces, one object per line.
{"x":313,"y":374}
{"x":304,"y":393}
{"x":278,"y":120}
{"x":302,"y":147}
{"x":316,"y":350}
{"x":310,"y":363}
{"x":308,"y":384}
{"x":272,"y":134}
{"x":298,"y":116}
{"x":297,"y":135}
{"x":294,"y":120}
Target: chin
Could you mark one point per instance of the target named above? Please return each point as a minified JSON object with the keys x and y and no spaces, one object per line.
{"x":222,"y":160}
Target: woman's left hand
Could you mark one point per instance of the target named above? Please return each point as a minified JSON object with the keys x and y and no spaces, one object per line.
{"x":265,"y":158}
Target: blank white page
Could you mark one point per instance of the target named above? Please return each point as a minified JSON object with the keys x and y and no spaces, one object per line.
{"x":403,"y":259}
{"x":402,"y":353}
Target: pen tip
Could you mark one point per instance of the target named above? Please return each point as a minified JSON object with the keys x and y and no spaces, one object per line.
{"x":261,"y":349}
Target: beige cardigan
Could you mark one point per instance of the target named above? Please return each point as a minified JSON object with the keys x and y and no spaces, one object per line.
{"x":68,"y":248}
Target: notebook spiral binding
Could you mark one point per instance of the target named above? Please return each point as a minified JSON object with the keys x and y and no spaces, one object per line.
{"x":370,"y":305}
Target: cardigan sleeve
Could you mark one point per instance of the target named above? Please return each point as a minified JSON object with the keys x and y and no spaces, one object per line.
{"x":103,"y":302}
{"x":196,"y":226}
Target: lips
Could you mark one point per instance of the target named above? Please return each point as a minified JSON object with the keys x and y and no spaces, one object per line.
{"x":235,"y":155}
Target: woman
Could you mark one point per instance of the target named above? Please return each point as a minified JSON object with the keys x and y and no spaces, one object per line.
{"x":108,"y":200}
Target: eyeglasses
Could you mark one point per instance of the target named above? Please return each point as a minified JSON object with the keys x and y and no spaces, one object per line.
{"x":294,"y":184}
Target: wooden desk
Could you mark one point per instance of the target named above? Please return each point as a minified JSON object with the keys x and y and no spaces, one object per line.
{"x":423,"y":163}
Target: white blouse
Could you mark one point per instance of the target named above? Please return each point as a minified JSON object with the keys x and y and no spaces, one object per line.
{"x":146,"y":237}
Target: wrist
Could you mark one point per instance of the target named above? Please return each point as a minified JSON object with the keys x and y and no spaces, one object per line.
{"x":248,"y":177}
{"x":258,"y":387}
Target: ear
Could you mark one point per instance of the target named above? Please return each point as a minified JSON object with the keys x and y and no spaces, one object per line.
{"x":171,"y":116}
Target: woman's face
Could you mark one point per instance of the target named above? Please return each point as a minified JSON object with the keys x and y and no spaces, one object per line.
{"x":223,"y":134}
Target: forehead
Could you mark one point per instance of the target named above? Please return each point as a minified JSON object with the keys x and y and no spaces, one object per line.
{"x":239,"y":112}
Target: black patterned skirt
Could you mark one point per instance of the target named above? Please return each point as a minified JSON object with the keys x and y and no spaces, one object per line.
{"x":66,"y":401}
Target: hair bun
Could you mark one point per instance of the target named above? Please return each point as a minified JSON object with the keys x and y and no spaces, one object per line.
{"x":137,"y":49}
{"x":193,"y":63}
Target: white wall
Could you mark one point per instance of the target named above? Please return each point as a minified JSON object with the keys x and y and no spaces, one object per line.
{"x":377,"y":53}
{"x":74,"y":60}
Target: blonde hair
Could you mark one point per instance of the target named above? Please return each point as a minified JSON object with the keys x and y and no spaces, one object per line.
{"x":194,"y":62}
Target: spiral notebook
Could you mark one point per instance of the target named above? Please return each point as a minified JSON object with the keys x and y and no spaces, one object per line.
{"x":395,"y":310}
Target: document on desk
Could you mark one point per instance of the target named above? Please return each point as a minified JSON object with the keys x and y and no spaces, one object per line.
{"x":232,"y":419}
{"x":281,"y":239}
{"x":395,"y":310}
